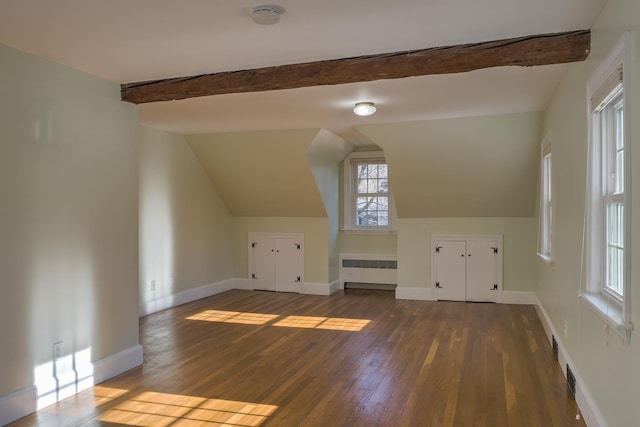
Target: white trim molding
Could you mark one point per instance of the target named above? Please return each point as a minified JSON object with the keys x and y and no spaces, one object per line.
{"x":242,"y":283}
{"x":51,"y":388}
{"x":169,"y":301}
{"x":320,"y":288}
{"x":17,"y":405}
{"x":516,"y":297}
{"x":590,"y":412}
{"x":118,"y":363}
{"x":418,"y":294}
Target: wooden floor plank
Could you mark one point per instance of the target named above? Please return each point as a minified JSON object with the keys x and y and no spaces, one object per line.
{"x":356,"y":358}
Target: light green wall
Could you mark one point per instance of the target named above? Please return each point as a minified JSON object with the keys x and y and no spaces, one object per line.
{"x":464,"y":167}
{"x":325,"y":156}
{"x":69,"y":216}
{"x":519,"y":246}
{"x":609,"y":368}
{"x":185,"y":228}
{"x":262,"y":173}
{"x":368,"y":244}
{"x":316,"y":250}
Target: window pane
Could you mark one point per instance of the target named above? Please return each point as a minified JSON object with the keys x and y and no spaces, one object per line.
{"x":545,"y":214}
{"x":615,"y":248}
{"x":372,"y":186}
{"x":619,"y":141}
{"x":362,"y":186}
{"x":371,"y":210}
{"x":383,"y":186}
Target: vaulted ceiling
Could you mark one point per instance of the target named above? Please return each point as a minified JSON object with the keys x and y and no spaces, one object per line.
{"x":125,"y":41}
{"x":443,"y":162}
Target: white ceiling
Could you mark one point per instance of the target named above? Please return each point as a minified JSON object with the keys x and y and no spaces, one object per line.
{"x":126,"y":41}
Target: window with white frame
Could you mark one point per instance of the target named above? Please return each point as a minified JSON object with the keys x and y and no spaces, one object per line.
{"x":546,"y":202}
{"x":368,"y":202}
{"x":607,"y":219}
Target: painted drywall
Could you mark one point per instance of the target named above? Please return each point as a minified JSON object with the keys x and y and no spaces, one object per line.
{"x":463,"y":167}
{"x":262,"y":173}
{"x":185,"y":228}
{"x":519,"y":246}
{"x":325,"y":156}
{"x":316,"y":250}
{"x":608,"y":366}
{"x":69,"y":217}
{"x":368,"y":243}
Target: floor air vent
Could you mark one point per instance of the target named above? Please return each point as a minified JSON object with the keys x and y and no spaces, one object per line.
{"x":571,"y":381}
{"x":554,"y":346}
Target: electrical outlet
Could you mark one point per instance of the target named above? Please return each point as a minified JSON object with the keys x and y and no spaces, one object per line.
{"x":153,"y":285}
{"x":566,"y":328}
{"x":57,"y":350}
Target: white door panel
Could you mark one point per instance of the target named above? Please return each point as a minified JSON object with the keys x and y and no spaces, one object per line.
{"x":467,"y":268}
{"x":263,"y":271}
{"x":481,"y":270}
{"x":451,"y":276}
{"x":276,"y":261}
{"x":287,"y":271}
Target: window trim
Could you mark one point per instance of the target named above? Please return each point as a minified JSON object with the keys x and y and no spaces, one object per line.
{"x":349,"y":223}
{"x":615,"y":312}
{"x":545,"y":227}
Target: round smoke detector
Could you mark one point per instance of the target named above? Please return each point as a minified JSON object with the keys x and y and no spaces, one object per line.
{"x":267,"y":14}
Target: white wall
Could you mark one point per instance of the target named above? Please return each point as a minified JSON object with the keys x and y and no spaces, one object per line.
{"x":609,"y":368}
{"x":68,"y":217}
{"x":185,"y":228}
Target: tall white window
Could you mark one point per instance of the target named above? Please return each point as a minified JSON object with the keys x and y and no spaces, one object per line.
{"x":546,"y":202}
{"x":368,"y":203}
{"x":607,"y":219}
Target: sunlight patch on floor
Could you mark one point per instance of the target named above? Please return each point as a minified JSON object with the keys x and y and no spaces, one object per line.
{"x":233,"y":317}
{"x":329,"y":323}
{"x":162,"y":409}
{"x":304,"y":322}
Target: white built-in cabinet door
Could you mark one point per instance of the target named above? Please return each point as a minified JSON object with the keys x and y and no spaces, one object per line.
{"x":276,"y":261}
{"x":451,"y":270}
{"x":482,"y":270}
{"x":467,"y":268}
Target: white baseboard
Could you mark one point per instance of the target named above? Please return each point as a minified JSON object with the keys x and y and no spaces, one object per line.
{"x":335,"y":286}
{"x":17,"y":405}
{"x":243,"y":284}
{"x":116,"y":364}
{"x":590,"y":412}
{"x":420,"y":294}
{"x":320,"y":288}
{"x":516,"y":297}
{"x":50,"y":389}
{"x":148,"y":307}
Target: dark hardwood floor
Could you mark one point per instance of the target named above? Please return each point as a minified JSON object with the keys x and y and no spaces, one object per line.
{"x":356,"y":358}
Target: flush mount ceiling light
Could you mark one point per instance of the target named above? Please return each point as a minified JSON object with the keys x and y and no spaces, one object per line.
{"x":364,"y":108}
{"x":267,"y":14}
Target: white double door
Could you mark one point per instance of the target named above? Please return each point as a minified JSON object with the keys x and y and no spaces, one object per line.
{"x":467,"y":269}
{"x":276,"y":261}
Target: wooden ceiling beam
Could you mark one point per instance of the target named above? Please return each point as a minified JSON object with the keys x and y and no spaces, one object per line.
{"x":542,"y":49}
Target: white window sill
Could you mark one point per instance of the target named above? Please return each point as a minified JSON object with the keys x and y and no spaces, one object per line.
{"x":368,"y":231}
{"x":610,"y":311}
{"x":546,"y":258}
